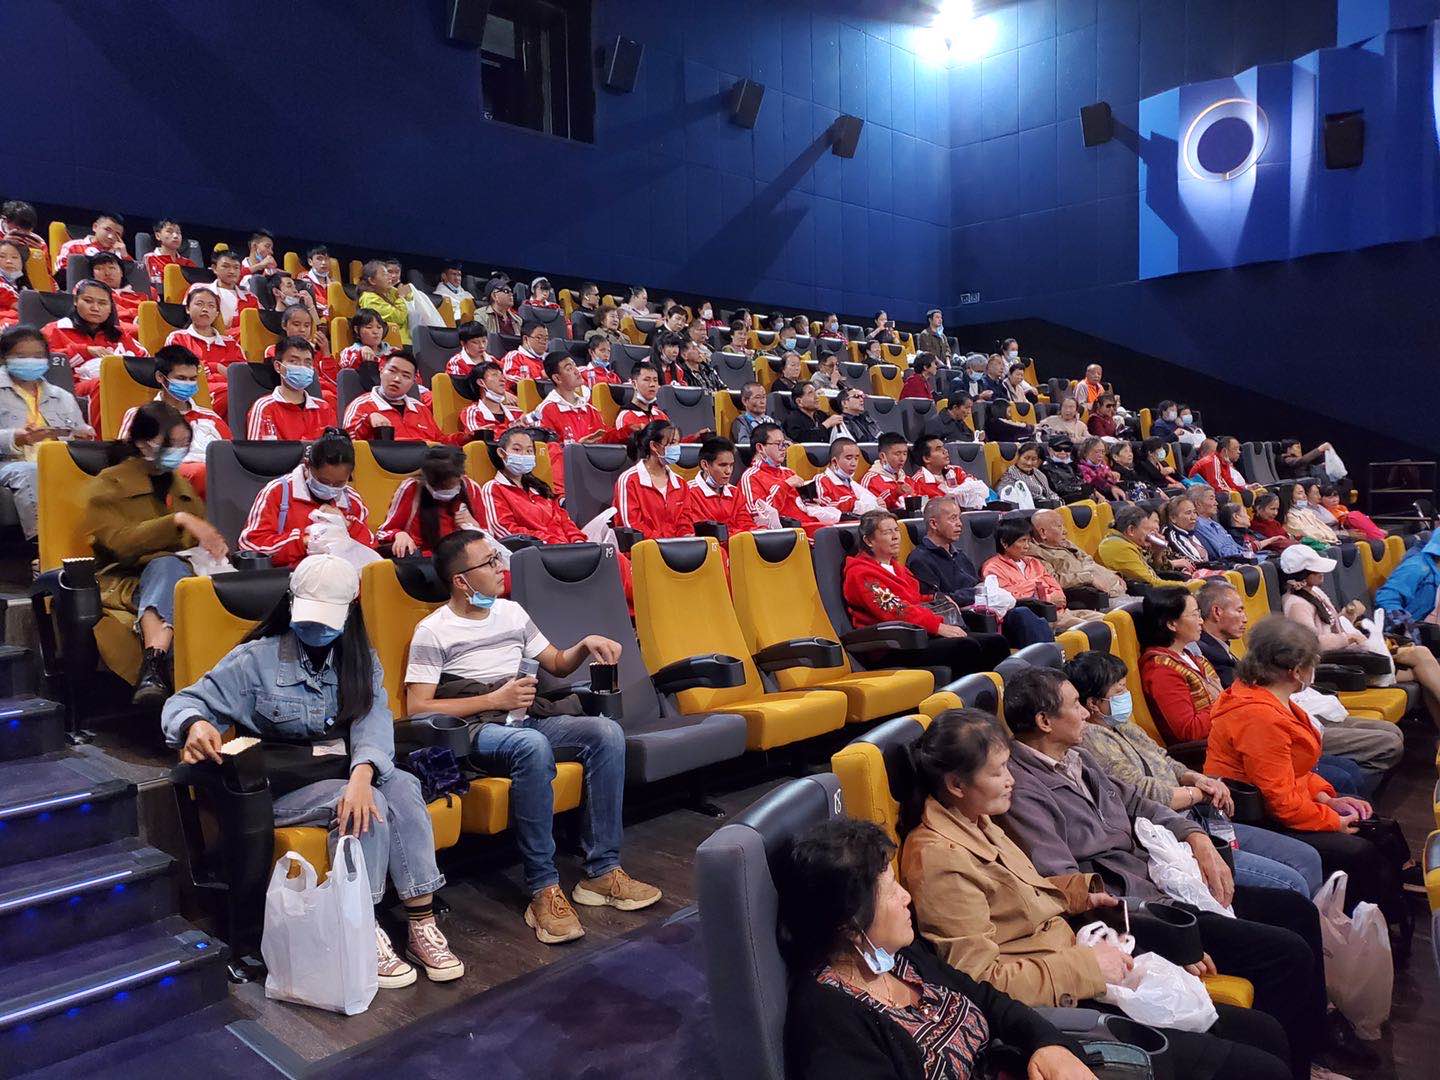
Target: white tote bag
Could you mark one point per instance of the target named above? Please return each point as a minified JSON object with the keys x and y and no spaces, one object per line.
{"x":319,"y":940}
{"x":1359,"y":974}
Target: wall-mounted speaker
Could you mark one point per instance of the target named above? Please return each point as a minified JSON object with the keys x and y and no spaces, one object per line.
{"x":466,"y":22}
{"x":622,"y":65}
{"x":745,"y":100}
{"x":1344,"y":140}
{"x":845,"y":136}
{"x":1098,"y":123}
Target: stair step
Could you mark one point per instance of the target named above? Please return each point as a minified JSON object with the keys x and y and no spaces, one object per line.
{"x":17,"y":671}
{"x":64,"y":1003}
{"x":51,"y":903}
{"x":60,"y":803}
{"x":30,"y":727}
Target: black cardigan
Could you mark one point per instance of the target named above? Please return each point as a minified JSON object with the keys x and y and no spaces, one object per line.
{"x":829,"y":1034}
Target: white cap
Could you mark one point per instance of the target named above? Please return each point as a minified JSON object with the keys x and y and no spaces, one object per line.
{"x":322,"y":588}
{"x":1299,"y":557}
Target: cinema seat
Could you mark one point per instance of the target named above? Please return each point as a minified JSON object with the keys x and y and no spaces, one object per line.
{"x":255,"y":336}
{"x":433,"y":346}
{"x":341,"y":300}
{"x":886,"y":380}
{"x":590,"y":474}
{"x":127,"y":382}
{"x":683,"y":610}
{"x":1083,"y":525}
{"x":236,"y":472}
{"x":380,"y":469}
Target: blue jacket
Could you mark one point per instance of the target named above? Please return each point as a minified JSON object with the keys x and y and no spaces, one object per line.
{"x":267,"y":688}
{"x":944,"y":570}
{"x":1219,"y":543}
{"x":1412,"y":587}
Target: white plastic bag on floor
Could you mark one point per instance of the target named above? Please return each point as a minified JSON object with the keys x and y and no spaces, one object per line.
{"x":1174,"y":870}
{"x":1359,"y":974}
{"x":319,"y":940}
{"x":1162,"y":994}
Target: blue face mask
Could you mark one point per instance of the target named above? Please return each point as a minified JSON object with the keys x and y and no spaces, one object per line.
{"x":520,"y":464}
{"x":788,"y":343}
{"x":481,"y":602}
{"x":878,"y":960}
{"x":1122,"y":707}
{"x":298,"y":376}
{"x":27,"y":368}
{"x":672,"y":454}
{"x":1185,"y":418}
{"x":182,"y":389}
{"x":171,"y":458}
{"x":314,"y":634}
{"x":1299,"y":504}
{"x":324,"y":492}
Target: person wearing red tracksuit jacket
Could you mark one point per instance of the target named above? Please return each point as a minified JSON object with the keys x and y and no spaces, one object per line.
{"x":649,"y":496}
{"x":315,"y":492}
{"x":886,"y":480}
{"x":768,"y":486}
{"x":289,"y":413}
{"x":110,"y":272}
{"x":317,"y":278}
{"x":517,"y":502}
{"x":472,"y":351}
{"x":837,"y":485}
{"x":390,"y":406}
{"x":494,"y":411}
{"x":429,"y":507}
{"x":711,"y":495}
{"x":598,"y":370}
{"x":568,"y":413}
{"x":107,"y":233}
{"x":215,"y":350}
{"x":92,"y":332}
{"x":527,"y":361}
{"x":227,"y":270}
{"x":168,"y":242}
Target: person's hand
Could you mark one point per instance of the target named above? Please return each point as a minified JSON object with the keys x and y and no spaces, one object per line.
{"x":379,"y":420}
{"x":979,"y":436}
{"x":202,"y":743}
{"x":518,"y":693}
{"x":1212,"y":868}
{"x":834,"y":421}
{"x":1202,"y":967}
{"x":986,"y":395}
{"x":404,"y":545}
{"x":97,"y":350}
{"x":31,"y":436}
{"x":593,"y":437}
{"x":1323,"y":447}
{"x":796,"y":481}
{"x":601,"y":649}
{"x":465,"y":519}
{"x":1096,"y":900}
{"x":1218,"y":794}
{"x":209,"y":539}
{"x":356,"y":809}
{"x":1349,"y":806}
{"x":1114,"y":964}
{"x":1263,"y":544}
{"x":946,"y":630}
{"x":1057,"y":1063}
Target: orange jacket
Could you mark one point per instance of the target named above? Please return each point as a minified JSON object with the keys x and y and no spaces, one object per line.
{"x":1253,"y":737}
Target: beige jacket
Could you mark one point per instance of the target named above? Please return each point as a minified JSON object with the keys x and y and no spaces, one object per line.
{"x":1073,"y":568}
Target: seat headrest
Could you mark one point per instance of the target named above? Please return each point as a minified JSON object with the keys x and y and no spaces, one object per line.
{"x":1011,"y":666}
{"x":981,"y":523}
{"x":775,"y":546}
{"x":142,"y":370}
{"x":789,"y":811}
{"x":262,"y":375}
{"x":1098,"y":634}
{"x":607,"y":458}
{"x":419,"y":579}
{"x":442,"y":336}
{"x":90,"y":457}
{"x":1042,"y":654}
{"x":1081,"y":514}
{"x":267,"y":458}
{"x":251,"y":594}
{"x":894,"y":740}
{"x":399,"y":457}
{"x":685,"y":555}
{"x":271,"y":321}
{"x":978,"y":692}
{"x":569,"y":563}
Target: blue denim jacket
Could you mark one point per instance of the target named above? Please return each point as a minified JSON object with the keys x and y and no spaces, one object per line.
{"x":1219,"y":543}
{"x":267,"y":688}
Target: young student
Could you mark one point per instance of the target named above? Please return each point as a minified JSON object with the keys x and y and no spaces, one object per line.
{"x":261,"y":259}
{"x":298,"y":320}
{"x":711,"y":496}
{"x":369,"y":345}
{"x":665,"y":355}
{"x":166,"y":252}
{"x":598,"y":370}
{"x":177,"y":370}
{"x":837,"y":485}
{"x":886,"y":479}
{"x":494,"y":411}
{"x":18,"y":222}
{"x":527,"y":360}
{"x":288,"y":413}
{"x":650,"y":496}
{"x":315,"y":492}
{"x":233,"y":300}
{"x":83,"y":338}
{"x":519,"y":503}
{"x":286,"y":293}
{"x":107,"y":233}
{"x":215,"y":351}
{"x":108,"y":270}
{"x":472,"y":350}
{"x":642,"y":409}
{"x":769,"y":486}
{"x":450,"y":287}
{"x":12,"y":279}
{"x":317,"y":278}
{"x":542,"y":295}
{"x":567,"y":411}
{"x":312,"y":655}
{"x":429,"y":507}
{"x":379,"y":294}
{"x":390,"y":406}
{"x":472,"y":646}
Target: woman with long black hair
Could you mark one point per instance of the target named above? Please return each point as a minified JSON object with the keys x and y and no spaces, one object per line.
{"x":429,"y":507}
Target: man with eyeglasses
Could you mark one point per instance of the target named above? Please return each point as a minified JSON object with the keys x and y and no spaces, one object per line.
{"x":770,"y":488}
{"x":464,"y":660}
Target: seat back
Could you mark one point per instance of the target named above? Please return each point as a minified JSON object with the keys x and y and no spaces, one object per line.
{"x":380,"y":469}
{"x":913,"y":414}
{"x":1022,"y":412}
{"x":590,"y":473}
{"x":877,"y":779}
{"x":832,"y":546}
{"x":1274,"y":594}
{"x":886,"y":413}
{"x":969,"y":456}
{"x":736,"y":870}
{"x":1092,"y":636}
{"x":447,"y":402}
{"x":213,"y":614}
{"x":1349,"y":574}
{"x":977,"y":535}
{"x":39,"y":309}
{"x":886,"y":380}
{"x":690,"y":408}
{"x":433,"y":346}
{"x":999,"y":456}
{"x":62,"y":487}
{"x":127,"y":382}
{"x":245,"y":384}
{"x":1125,"y":645}
{"x":236,"y":472}
{"x":394,"y":597}
{"x":735,"y":368}
{"x":624,"y":357}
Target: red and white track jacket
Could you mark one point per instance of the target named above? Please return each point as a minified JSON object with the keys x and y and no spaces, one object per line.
{"x":272,"y":417}
{"x":511,"y":510}
{"x":724,"y":506}
{"x":658,"y":514}
{"x":410,"y":420}
{"x":282,"y":510}
{"x":404,"y":513}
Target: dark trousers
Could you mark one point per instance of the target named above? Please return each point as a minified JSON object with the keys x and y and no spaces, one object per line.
{"x":1372,"y":876}
{"x":1022,"y":627}
{"x":1241,"y":1043}
{"x":963,"y":656}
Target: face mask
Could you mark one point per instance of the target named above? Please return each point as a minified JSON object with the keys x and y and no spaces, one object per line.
{"x":316,"y":635}
{"x":788,"y":343}
{"x":706,"y":314}
{"x":323,"y":492}
{"x":1121,"y":708}
{"x":1169,"y":415}
{"x":1012,"y":355}
{"x":1300,"y":504}
{"x":520,"y":464}
{"x":672,"y":454}
{"x":878,"y":960}
{"x":598,"y":362}
{"x":491,"y":395}
{"x":832,"y":325}
{"x":443,"y":494}
{"x":644,"y":401}
{"x":298,"y":376}
{"x":1060,"y":459}
{"x":481,"y":602}
{"x":12,"y":276}
{"x":843,"y":471}
{"x":27,"y":369}
{"x":182,"y":389}
{"x":1185,"y":418}
{"x":171,"y":458}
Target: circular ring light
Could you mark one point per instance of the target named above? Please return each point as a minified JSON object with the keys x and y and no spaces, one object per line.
{"x":1225,"y":139}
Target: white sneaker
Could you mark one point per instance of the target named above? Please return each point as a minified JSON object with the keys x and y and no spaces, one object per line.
{"x":392,"y":971}
{"x":1319,"y":1072}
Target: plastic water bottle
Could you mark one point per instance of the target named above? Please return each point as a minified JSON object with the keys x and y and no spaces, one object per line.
{"x":528,"y":668}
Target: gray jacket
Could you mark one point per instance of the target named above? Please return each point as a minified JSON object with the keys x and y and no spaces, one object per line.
{"x":1063,"y":832}
{"x":59,"y":408}
{"x":268,"y":689}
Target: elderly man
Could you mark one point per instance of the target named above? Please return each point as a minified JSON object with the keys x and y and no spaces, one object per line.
{"x":1125,"y":549}
{"x":1219,"y":544}
{"x":1072,"y":567}
{"x":1089,"y":389}
{"x":955,"y":423}
{"x":942,"y":567}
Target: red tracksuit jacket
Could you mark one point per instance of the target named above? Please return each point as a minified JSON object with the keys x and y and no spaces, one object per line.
{"x":511,"y":510}
{"x":845,"y":493}
{"x":416,"y":422}
{"x":404,"y":513}
{"x":519,"y":364}
{"x":276,"y":525}
{"x":724,"y":507}
{"x":492,"y":416}
{"x":157,"y":260}
{"x":884,"y":487}
{"x":272,"y":417}
{"x":876,"y":594}
{"x":657,"y":514}
{"x":765,"y":483}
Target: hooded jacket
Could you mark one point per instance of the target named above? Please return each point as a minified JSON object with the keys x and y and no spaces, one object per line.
{"x":1412,"y":587}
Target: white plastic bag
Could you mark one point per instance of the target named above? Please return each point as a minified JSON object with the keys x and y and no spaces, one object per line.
{"x":1376,"y":644}
{"x":1162,"y":994}
{"x":971,"y":493}
{"x":1324,"y":707}
{"x":204,"y":564}
{"x":1019,"y":494}
{"x":421,"y":311}
{"x":319,"y":940}
{"x":991,"y":595}
{"x":1334,"y":467}
{"x":1359,"y":975}
{"x":1174,"y":870}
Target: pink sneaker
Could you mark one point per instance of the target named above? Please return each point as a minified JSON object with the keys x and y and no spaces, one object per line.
{"x":393,"y":972}
{"x":428,"y":948}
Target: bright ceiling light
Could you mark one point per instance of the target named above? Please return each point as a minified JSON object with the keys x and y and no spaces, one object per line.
{"x":956,"y":33}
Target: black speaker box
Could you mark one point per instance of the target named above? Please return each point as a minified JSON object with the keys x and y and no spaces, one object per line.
{"x":1098,"y":123}
{"x":745,"y":102}
{"x":622,"y":65}
{"x":466,"y":22}
{"x":1344,"y":140}
{"x":845,"y":136}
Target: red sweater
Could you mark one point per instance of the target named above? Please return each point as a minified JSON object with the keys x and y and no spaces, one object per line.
{"x":404,"y":513}
{"x":282,"y":510}
{"x":657,"y":514}
{"x":875,"y":593}
{"x":1180,"y":689}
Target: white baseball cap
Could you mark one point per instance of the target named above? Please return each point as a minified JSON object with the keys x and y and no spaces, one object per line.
{"x":1299,"y":557}
{"x":322,"y":588}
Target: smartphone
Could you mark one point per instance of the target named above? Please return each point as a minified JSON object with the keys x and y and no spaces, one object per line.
{"x":528,"y":669}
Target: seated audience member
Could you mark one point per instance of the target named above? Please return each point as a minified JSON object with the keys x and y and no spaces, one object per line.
{"x":792,"y":375}
{"x":1266,"y":533}
{"x":379,"y":294}
{"x":1123,"y":549}
{"x":311,"y":657}
{"x":1120,"y":457}
{"x":493,"y":411}
{"x":92,"y":332}
{"x":390,"y":407}
{"x":642,"y":409}
{"x":711,"y":496}
{"x":471,"y":354}
{"x":299,"y":321}
{"x":567,"y":412}
{"x":993,"y":914}
{"x":1235,"y":520}
{"x":769,"y":486}
{"x":650,"y":496}
{"x":18,"y":222}
{"x":527,"y":360}
{"x":882,"y":332}
{"x":878,"y":588}
{"x":827,"y":378}
{"x":932,"y":339}
{"x":665,"y":355}
{"x":261,"y":258}
{"x":991,"y":386}
{"x":864,"y":999}
{"x":138,"y":515}
{"x":1152,"y":468}
{"x":942,"y":568}
{"x":1017,"y":390}
{"x":450,"y":287}
{"x":203,"y":338}
{"x":110,"y":272}
{"x":498,"y":314}
{"x":1026,"y":577}
{"x":369,"y":346}
{"x":542,"y":295}
{"x":740,"y":340}
{"x":1066,"y":813}
{"x":1071,"y":566}
{"x":1260,"y":736}
{"x":837,"y":485}
{"x":1219,"y":544}
{"x":752,"y":415}
{"x":1411,"y":588}
{"x":517,"y":502}
{"x":1187,"y":431}
{"x":696,"y":368}
{"x":637,"y":303}
{"x":289,"y":412}
{"x":32,"y":410}
{"x":1291,"y":464}
{"x":1180,"y":685}
{"x":463,"y":659}
{"x":1351,"y":523}
{"x":1128,"y":754}
{"x":697,"y":331}
{"x":303,"y":512}
{"x":1302,"y":523}
{"x":316,"y":277}
{"x":233,"y":299}
{"x":13,"y":278}
{"x":1027,"y":472}
{"x":107,"y":235}
{"x":177,"y":370}
{"x":1095,"y":471}
{"x":168,"y":241}
{"x":1166,"y":421}
{"x":955,"y":422}
{"x":807,"y":424}
{"x":873,"y":353}
{"x":1063,"y":471}
{"x":1066,"y":423}
{"x":1088,"y":390}
{"x":855,"y":422}
{"x":935,"y":476}
{"x":886,"y":479}
{"x":286,"y":293}
{"x":920,"y":383}
{"x":1218,"y":470}
{"x":1181,"y":516}
{"x":599,"y":368}
{"x":429,"y":507}
{"x":708,"y":316}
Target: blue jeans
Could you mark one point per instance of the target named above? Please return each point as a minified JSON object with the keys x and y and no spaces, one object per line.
{"x":399,"y":841}
{"x":19,"y":478}
{"x":1344,"y":775}
{"x":157,"y":586}
{"x":1270,"y":860}
{"x":526,"y":752}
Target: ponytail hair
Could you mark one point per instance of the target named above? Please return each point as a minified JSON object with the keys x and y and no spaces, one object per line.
{"x":957,"y":743}
{"x":332,"y":447}
{"x":641,"y":438}
{"x":528,"y":482}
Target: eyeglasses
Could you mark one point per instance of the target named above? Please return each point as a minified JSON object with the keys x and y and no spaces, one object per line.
{"x":488,"y":564}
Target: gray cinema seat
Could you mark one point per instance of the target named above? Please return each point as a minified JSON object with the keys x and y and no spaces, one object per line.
{"x":690,"y":408}
{"x":235,"y":474}
{"x":590,"y":473}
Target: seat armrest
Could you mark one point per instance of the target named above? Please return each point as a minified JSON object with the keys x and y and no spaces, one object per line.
{"x":520,"y":541}
{"x":709,"y":671}
{"x":433,"y":730}
{"x":1072,"y":1021}
{"x":712,"y":529}
{"x":811,"y":652}
{"x":1190,"y":754}
{"x":626,"y":538}
{"x":250,"y":560}
{"x":885,"y":636}
{"x":1046,"y":610}
{"x":979,"y":622}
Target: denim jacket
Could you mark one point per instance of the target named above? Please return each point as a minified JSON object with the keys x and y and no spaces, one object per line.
{"x":267,"y":688}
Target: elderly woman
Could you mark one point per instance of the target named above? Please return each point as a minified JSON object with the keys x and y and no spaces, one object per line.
{"x":1066,"y":422}
{"x":1180,"y":685}
{"x":1096,"y":471}
{"x":1262,"y":858}
{"x":1180,"y":518}
{"x":1025,"y":576}
{"x":864,"y":1001}
{"x":1027,"y":471}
